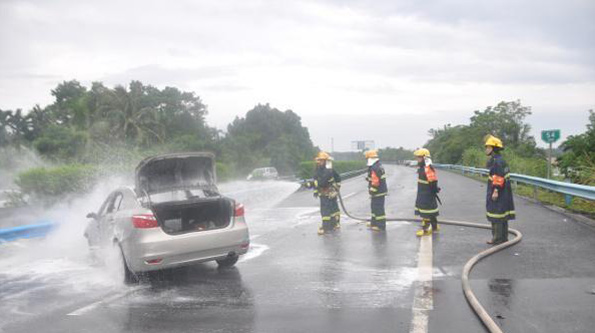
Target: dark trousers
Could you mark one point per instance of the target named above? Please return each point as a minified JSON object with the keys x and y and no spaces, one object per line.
{"x":329,"y":210}
{"x":499,"y":232}
{"x":378,"y":214}
{"x":433,"y":221}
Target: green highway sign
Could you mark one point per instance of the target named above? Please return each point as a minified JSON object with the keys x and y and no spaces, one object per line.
{"x":550,"y":136}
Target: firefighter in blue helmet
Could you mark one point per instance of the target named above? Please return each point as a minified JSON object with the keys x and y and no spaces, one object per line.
{"x":426,"y":205}
{"x":326,"y":185}
{"x":499,"y":201}
{"x":378,"y":190}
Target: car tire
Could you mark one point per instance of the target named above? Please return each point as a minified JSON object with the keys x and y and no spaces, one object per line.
{"x":228,"y":262}
{"x":129,"y":276}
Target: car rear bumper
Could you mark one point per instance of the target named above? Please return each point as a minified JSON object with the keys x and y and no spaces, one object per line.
{"x":158,"y":250}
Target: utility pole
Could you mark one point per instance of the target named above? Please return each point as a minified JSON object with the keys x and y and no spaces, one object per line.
{"x":549,"y":162}
{"x":550,"y":136}
{"x":332,"y":145}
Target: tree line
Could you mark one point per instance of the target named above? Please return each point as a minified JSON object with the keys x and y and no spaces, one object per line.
{"x":119,"y":125}
{"x":463,"y":144}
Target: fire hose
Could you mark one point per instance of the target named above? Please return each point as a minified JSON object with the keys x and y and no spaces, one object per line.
{"x":479,"y":310}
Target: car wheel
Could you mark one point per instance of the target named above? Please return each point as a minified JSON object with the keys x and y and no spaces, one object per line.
{"x":129,"y":276}
{"x":228,"y":262}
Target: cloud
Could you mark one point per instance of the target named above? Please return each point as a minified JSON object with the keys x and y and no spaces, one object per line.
{"x":330,"y":58}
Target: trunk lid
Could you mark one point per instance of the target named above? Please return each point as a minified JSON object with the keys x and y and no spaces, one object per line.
{"x":173,"y":172}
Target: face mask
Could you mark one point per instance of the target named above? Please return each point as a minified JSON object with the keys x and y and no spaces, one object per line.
{"x":427,"y":160}
{"x":329,"y":164}
{"x":371,"y":161}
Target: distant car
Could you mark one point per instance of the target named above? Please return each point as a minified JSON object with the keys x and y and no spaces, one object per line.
{"x":411,"y":163}
{"x":174,"y":216}
{"x":268,"y":173}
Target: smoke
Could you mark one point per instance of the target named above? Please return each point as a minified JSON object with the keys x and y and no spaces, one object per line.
{"x":14,"y":160}
{"x":62,"y":258}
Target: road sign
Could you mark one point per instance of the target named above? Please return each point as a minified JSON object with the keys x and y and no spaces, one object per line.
{"x":362,"y":145}
{"x":550,"y":136}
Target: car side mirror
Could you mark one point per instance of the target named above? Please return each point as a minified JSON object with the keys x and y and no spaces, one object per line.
{"x":92,"y":216}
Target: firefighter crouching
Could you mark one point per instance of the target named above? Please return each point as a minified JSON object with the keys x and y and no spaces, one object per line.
{"x":378,"y":190}
{"x":426,"y":205}
{"x":326,"y":185}
{"x":499,"y":201}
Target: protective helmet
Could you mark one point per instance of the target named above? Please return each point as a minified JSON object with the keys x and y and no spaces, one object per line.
{"x":422,"y":152}
{"x":323,"y":156}
{"x":493,"y":141}
{"x":371,"y":154}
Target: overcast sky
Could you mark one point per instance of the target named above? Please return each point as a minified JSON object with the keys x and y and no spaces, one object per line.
{"x":382,"y":70}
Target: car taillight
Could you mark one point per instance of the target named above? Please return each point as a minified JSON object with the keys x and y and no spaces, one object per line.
{"x":144,"y":221}
{"x":239,"y":210}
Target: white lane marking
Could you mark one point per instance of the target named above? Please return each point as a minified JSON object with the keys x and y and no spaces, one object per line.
{"x":307,"y":213}
{"x":349,"y":195}
{"x":256,"y":250}
{"x":423,"y":301}
{"x":103,"y":302}
{"x":280,"y":209}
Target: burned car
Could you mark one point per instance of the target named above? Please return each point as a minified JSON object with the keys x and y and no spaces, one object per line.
{"x":174,"y":216}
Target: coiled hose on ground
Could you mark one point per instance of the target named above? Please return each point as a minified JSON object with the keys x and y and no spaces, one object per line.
{"x":469,"y":295}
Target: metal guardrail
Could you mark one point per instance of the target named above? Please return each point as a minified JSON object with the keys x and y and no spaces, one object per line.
{"x":569,"y":189}
{"x":344,"y":175}
{"x":353,"y":173}
{"x":26,"y":231}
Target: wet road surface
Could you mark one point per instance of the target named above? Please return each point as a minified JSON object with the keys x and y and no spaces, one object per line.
{"x":293,"y":280}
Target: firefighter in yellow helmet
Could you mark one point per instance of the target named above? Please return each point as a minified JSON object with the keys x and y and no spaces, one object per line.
{"x":326,"y":184}
{"x":426,"y":205}
{"x":378,"y":190}
{"x":499,"y":201}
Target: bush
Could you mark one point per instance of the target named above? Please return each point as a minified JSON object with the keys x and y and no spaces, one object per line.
{"x":474,"y":157}
{"x":224,"y":172}
{"x":306,"y":169}
{"x":530,"y":166}
{"x":52,"y":184}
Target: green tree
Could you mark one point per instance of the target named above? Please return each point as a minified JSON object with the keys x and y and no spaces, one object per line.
{"x":578,"y":160}
{"x":61,"y":142}
{"x":505,"y":120}
{"x":267,"y":135}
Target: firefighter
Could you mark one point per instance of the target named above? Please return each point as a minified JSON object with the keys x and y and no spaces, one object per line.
{"x":326,"y":185}
{"x":499,"y":202}
{"x":426,"y":205}
{"x":378,"y":190}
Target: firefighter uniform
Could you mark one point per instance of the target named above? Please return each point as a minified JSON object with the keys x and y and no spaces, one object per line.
{"x":378,"y":190}
{"x":426,"y":202}
{"x":501,"y":210}
{"x":326,"y":184}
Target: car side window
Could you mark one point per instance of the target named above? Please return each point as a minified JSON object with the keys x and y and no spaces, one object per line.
{"x":115,"y":203}
{"x":105,"y":205}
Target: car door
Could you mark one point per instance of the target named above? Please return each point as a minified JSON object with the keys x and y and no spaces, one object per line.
{"x":108,"y":220}
{"x":124,"y":204}
{"x":93,"y":232}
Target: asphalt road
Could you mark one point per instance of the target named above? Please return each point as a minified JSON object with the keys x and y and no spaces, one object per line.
{"x":294,"y":280}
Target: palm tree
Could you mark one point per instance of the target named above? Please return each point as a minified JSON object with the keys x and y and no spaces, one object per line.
{"x":130,"y":119}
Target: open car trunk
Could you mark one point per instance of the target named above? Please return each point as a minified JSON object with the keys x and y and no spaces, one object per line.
{"x":204,"y":214}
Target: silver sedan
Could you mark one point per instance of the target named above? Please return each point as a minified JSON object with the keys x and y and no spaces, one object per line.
{"x":174,"y":216}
